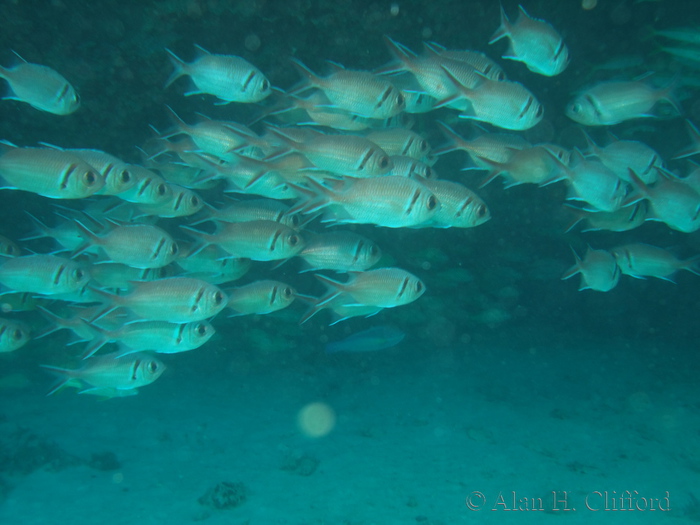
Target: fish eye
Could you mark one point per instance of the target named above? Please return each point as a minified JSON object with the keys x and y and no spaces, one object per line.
{"x":152,"y":367}
{"x":79,"y":274}
{"x":265,"y":85}
{"x":373,"y":249}
{"x":576,"y":108}
{"x":293,"y":240}
{"x":90,"y":178}
{"x":201,"y":329}
{"x":295,"y":220}
{"x":428,"y":174}
{"x":501,"y":76}
{"x":424,"y":145}
{"x":432,"y":202}
{"x":125,"y":176}
{"x":218,"y":297}
{"x":419,"y":286}
{"x":161,"y":189}
{"x":288,"y":292}
{"x":384,"y":162}
{"x":17,"y":334}
{"x":481,"y":211}
{"x":173,"y":248}
{"x":194,"y":201}
{"x":400,"y":100}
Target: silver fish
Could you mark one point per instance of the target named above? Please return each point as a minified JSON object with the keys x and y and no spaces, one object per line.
{"x":621,"y":156}
{"x":157,"y":336}
{"x":400,"y":141}
{"x":43,"y":274}
{"x":505,"y":104}
{"x":229,"y":78}
{"x":49,"y":172}
{"x":533,"y":165}
{"x":343,"y":154}
{"x":644,"y":260}
{"x":384,"y":287}
{"x":183,"y":202}
{"x":593,"y":183}
{"x":8,"y":248}
{"x":260,"y":297}
{"x":475,"y":59}
{"x":256,"y":210}
{"x":612,"y":102}
{"x":213,"y":265}
{"x":150,"y":188}
{"x":342,"y":251}
{"x":41,"y":87}
{"x":136,"y":245}
{"x":342,"y":307}
{"x":175,"y":299}
{"x":110,"y":375}
{"x":13,"y":335}
{"x":534,"y":42}
{"x":119,"y":276}
{"x":392,"y":201}
{"x":255,"y":240}
{"x":359,"y":92}
{"x":115,"y":172}
{"x":598,"y":269}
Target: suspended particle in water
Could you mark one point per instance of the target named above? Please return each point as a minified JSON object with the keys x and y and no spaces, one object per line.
{"x":394,"y":9}
{"x":252,"y":42}
{"x":316,"y":419}
{"x":589,"y":4}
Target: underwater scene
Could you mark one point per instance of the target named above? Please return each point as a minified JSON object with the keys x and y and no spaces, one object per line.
{"x":355,"y":262}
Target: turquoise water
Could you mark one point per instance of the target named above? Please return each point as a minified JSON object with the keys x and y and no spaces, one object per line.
{"x":511,"y":389}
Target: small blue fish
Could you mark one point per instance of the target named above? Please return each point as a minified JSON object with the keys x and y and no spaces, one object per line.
{"x":370,"y":340}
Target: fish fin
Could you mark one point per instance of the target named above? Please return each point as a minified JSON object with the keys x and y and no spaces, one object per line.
{"x":311,"y":78}
{"x":694,"y":147}
{"x":576,"y":268}
{"x":503,"y":30}
{"x":21,"y":59}
{"x":180,"y":68}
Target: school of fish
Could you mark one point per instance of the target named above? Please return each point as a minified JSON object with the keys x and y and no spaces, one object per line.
{"x":139,"y":259}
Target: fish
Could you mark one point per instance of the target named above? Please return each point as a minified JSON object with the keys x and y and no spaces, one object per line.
{"x":642,"y":260}
{"x":361,"y":93}
{"x":599,"y":270}
{"x":409,"y":167}
{"x":694,"y":147}
{"x":611,"y":102}
{"x":392,"y":201}
{"x":505,"y":104}
{"x":118,"y":276}
{"x":342,"y":251}
{"x":183,"y":202}
{"x":136,"y":245}
{"x":370,"y":340}
{"x":13,"y":335}
{"x":150,"y":188}
{"x":255,"y":210}
{"x":342,"y":307}
{"x":43,"y":274}
{"x":255,"y":240}
{"x":41,"y":87}
{"x":230,"y":78}
{"x":259,"y":297}
{"x":109,"y":375}
{"x":533,"y":42}
{"x":48,"y":172}
{"x":624,"y":219}
{"x":115,"y":172}
{"x":624,"y":155}
{"x":213,"y":265}
{"x":384,"y":287}
{"x":161,"y":337}
{"x":476,"y":59}
{"x":400,"y":141}
{"x":533,"y":165}
{"x":175,"y":299}
{"x":671,"y":201}
{"x":343,"y":154}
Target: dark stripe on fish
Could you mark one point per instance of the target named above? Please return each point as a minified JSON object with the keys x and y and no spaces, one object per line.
{"x":198,"y":297}
{"x":159,"y":247}
{"x":178,"y":201}
{"x":146,"y":183}
{"x":559,"y":50}
{"x":409,"y":142}
{"x":594,"y":103}
{"x":66,"y":175}
{"x":404,"y":285}
{"x":384,"y":96}
{"x":59,"y":272}
{"x":273,"y":295}
{"x":364,"y":159}
{"x":358,"y":251}
{"x":3,"y":328}
{"x":416,"y":196}
{"x":274,"y":240}
{"x":180,"y":330}
{"x":134,"y":369}
{"x":248,"y":79}
{"x":530,"y":100}
{"x":64,"y":91}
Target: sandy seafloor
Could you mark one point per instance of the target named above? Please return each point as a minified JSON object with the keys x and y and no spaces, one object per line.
{"x":417,"y":431}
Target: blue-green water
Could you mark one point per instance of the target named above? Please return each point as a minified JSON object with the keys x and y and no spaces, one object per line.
{"x":510,"y":383}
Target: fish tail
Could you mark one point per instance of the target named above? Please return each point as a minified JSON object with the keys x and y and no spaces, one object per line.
{"x":180,"y":124}
{"x":692,"y":265}
{"x":309,"y":76}
{"x":503,"y":30}
{"x":180,"y":68}
{"x":694,"y":147}
{"x":404,"y":58}
{"x":317,"y":196}
{"x":89,"y":236}
{"x":668,"y":94}
{"x":576,"y":268}
{"x":65,"y":375}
